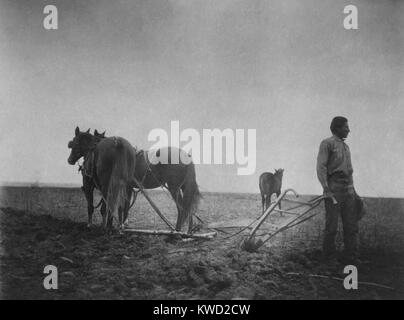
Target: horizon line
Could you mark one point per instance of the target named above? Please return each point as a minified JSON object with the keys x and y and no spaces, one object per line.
{"x":72,"y":185}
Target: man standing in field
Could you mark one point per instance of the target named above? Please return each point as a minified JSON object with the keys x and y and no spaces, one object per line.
{"x":334,"y":171}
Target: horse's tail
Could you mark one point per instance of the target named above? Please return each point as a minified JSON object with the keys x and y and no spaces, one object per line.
{"x":260,"y":184}
{"x":191,"y":195}
{"x":118,"y":182}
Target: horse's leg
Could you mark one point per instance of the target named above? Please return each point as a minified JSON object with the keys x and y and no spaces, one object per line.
{"x":186,"y":214}
{"x":267,"y":201}
{"x":120,"y":219}
{"x":107,"y":216}
{"x":126,"y":214}
{"x":181,"y":213}
{"x":104,"y":214}
{"x":129,"y":192}
{"x":109,"y":221}
{"x":178,"y":199}
{"x":88,"y":189}
{"x":179,"y":202}
{"x":263,"y":203}
{"x":190,"y":223}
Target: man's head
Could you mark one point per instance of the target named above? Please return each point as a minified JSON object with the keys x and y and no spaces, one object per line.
{"x":339,"y":127}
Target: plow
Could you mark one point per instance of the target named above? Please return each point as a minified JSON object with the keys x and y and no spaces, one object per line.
{"x":256,"y":232}
{"x":253,"y":232}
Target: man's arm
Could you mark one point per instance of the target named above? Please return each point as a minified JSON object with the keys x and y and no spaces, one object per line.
{"x":322,"y":160}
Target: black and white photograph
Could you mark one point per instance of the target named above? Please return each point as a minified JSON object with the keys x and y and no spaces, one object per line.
{"x":220,"y":151}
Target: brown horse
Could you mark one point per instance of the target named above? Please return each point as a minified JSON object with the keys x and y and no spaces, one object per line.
{"x":176,"y":174}
{"x":88,"y":183}
{"x":269,"y":184}
{"x":111,"y":163}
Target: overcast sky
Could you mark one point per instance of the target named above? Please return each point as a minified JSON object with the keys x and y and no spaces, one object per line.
{"x":282,"y":67}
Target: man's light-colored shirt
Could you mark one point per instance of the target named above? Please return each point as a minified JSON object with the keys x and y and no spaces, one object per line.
{"x":333,"y":156}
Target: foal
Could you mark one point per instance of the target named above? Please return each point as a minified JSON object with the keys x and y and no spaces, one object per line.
{"x":270,"y":183}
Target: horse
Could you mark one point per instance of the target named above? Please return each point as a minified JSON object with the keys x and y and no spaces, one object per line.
{"x":175,"y":174}
{"x":88,"y":187}
{"x":269,"y":184}
{"x":111,"y":164}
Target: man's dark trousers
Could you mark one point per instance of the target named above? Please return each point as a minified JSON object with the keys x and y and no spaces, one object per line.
{"x":344,"y":193}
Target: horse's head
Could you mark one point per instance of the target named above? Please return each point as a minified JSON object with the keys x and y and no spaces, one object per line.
{"x":80,"y":145}
{"x":99,"y":135}
{"x":279,"y":172}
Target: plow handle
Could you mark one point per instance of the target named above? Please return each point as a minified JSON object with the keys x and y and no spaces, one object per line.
{"x":268,"y":211}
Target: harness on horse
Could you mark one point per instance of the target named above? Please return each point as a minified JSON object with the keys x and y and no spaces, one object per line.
{"x":88,"y":169}
{"x":88,"y":165}
{"x":149,"y":169}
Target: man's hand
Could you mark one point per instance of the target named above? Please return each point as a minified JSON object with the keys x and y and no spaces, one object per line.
{"x":327,"y":193}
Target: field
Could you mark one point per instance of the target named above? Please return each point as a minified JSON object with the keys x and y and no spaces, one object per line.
{"x":43,"y":226}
